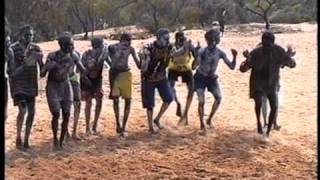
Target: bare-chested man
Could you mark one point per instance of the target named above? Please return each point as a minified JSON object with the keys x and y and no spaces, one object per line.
{"x":183,"y":55}
{"x":24,"y":81}
{"x":206,"y":77}
{"x":154,"y":61}
{"x":265,"y":62}
{"x":59,"y":65}
{"x":8,"y":62}
{"x":121,"y":78}
{"x":93,"y":60}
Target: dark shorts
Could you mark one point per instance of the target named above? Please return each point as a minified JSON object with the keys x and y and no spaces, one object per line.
{"x":76,"y":90}
{"x":203,"y":82}
{"x":23,"y":99}
{"x":148,"y":91}
{"x":88,"y":95}
{"x":59,"y":96}
{"x":187,"y":76}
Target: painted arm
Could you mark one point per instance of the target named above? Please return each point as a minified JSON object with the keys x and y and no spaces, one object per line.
{"x":135,"y":58}
{"x":246,"y":65}
{"x":10,"y":62}
{"x":79,"y":64}
{"x":230,"y":64}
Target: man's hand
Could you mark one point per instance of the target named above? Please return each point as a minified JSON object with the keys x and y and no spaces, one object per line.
{"x":234,"y":52}
{"x":245,"y":53}
{"x":290,"y":51}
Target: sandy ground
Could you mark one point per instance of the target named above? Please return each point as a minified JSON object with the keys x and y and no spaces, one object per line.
{"x":231,"y":150}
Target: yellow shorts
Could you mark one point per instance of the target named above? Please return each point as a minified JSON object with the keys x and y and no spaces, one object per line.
{"x":122,"y":85}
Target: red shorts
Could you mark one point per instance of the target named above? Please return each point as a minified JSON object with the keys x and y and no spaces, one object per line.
{"x":87,"y":95}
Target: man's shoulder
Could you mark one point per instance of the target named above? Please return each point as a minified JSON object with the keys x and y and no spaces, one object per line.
{"x":257,"y":50}
{"x":278,"y":48}
{"x":53,"y":54}
{"x":35,"y":46}
{"x":76,"y":54}
{"x":220,"y":51}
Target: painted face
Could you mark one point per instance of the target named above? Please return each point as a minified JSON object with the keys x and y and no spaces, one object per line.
{"x":126,"y":43}
{"x":27,"y":36}
{"x":96,"y":43}
{"x":163,"y":41}
{"x":67,"y":45}
{"x":180,"y":40}
{"x":212,"y":43}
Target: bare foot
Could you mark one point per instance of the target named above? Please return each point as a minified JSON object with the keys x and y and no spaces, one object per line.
{"x":157,"y":122}
{"x":119,"y":129}
{"x":183,"y":120}
{"x":277,"y":127}
{"x":203,"y":132}
{"x":88,"y":132}
{"x":152,"y":131}
{"x":75,"y":137}
{"x":26,"y":145}
{"x":19,"y":144}
{"x":209,"y":123}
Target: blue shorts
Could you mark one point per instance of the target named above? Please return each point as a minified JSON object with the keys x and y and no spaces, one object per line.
{"x":202,"y":82}
{"x":148,"y":90}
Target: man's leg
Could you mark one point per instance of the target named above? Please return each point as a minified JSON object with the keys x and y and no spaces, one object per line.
{"x":276,"y":126}
{"x":190,"y":86}
{"x":29,"y":122}
{"x":264,"y":110}
{"x":200,"y":93}
{"x":97,"y":113}
{"x":174,"y":94}
{"x":20,"y":118}
{"x":166,"y":96}
{"x":87,"y":114}
{"x":258,"y":104}
{"x":116,"y":113}
{"x":215,"y":90}
{"x":273,"y":99}
{"x":66,"y":105}
{"x":54,"y":125}
{"x":127,"y":108}
{"x":150,"y":116}
{"x":76,"y":115}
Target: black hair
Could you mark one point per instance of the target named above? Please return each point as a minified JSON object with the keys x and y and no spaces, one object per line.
{"x":268,"y":35}
{"x":162,"y":31}
{"x":212,"y":34}
{"x":125,"y":37}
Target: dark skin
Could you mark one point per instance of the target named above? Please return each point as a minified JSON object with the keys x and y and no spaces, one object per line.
{"x":99,"y":48}
{"x":161,"y":41}
{"x":272,"y":96}
{"x":66,"y":47}
{"x":122,"y":129}
{"x":27,"y":108}
{"x":182,"y":42}
{"x":200,"y":92}
{"x":9,"y":60}
{"x":264,"y":99}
